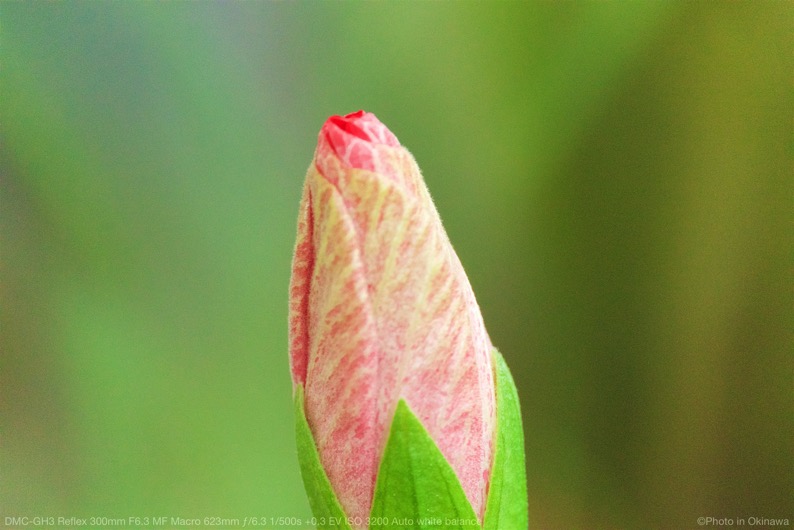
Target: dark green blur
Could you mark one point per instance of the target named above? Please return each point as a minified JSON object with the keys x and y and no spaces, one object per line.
{"x":616,"y":178}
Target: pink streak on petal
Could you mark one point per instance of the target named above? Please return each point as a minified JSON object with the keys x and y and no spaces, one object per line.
{"x":302,"y":268}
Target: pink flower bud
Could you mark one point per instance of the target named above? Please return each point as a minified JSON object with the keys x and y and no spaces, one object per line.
{"x":381,"y":310}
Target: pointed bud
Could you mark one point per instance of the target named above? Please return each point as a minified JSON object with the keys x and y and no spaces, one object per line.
{"x":381,"y":311}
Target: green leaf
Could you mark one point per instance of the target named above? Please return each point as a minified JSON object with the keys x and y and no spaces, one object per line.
{"x":506,"y":507}
{"x":325,"y":506}
{"x":416,"y":486}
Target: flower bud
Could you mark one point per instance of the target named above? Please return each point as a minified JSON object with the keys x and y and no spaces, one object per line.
{"x":381,"y":311}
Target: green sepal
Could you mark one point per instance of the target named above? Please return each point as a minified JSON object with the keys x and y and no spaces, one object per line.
{"x":416,"y":486}
{"x":506,"y":507}
{"x":328,"y":513}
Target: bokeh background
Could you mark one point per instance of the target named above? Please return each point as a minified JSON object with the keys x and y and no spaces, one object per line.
{"x":616,"y":178}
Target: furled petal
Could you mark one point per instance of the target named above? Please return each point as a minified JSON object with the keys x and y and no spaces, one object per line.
{"x":381,"y":310}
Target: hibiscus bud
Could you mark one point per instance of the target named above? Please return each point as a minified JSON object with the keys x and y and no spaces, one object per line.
{"x":381,"y":313}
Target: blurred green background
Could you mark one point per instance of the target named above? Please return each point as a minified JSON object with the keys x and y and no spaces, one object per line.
{"x":616,"y":178}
